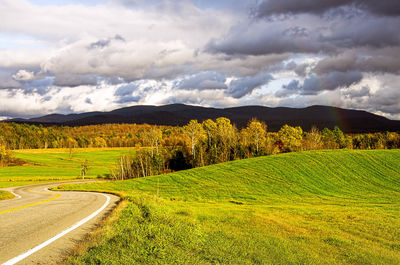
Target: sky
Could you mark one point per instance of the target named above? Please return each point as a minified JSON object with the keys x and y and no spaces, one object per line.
{"x":70,"y":56}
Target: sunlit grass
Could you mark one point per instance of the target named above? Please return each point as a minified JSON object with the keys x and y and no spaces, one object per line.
{"x":59,"y":164}
{"x":318,"y":207}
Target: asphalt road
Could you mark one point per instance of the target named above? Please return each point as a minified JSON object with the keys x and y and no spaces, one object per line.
{"x":36,"y":224}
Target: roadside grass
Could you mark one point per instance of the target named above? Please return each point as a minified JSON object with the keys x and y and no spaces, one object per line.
{"x":57,"y":164}
{"x":5,"y":195}
{"x":316,"y":207}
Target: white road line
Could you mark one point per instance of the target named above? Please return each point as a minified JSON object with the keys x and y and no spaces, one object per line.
{"x":16,"y":195}
{"x":63,"y":233}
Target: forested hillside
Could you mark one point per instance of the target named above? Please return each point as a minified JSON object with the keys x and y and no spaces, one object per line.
{"x":350,"y":121}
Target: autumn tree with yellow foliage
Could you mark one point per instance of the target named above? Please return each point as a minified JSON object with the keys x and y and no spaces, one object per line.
{"x":291,"y":138}
{"x":195,"y":132}
{"x":255,"y":136}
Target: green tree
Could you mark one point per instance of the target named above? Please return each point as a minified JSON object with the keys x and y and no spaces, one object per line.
{"x":291,"y":137}
{"x":211,"y":152}
{"x":329,"y":139}
{"x":339,"y":137}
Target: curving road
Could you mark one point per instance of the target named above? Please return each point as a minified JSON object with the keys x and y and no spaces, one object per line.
{"x":39,"y":226}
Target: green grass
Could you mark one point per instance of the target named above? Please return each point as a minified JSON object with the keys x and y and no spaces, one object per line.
{"x":317,"y":207}
{"x":56,"y":164}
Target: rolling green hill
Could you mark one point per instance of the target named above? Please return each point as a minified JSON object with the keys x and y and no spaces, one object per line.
{"x":317,"y":207}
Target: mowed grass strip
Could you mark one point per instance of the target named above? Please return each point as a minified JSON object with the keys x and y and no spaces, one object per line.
{"x":59,"y":164}
{"x":316,"y":207}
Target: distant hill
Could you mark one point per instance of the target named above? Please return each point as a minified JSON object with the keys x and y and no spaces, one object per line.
{"x":350,"y":121}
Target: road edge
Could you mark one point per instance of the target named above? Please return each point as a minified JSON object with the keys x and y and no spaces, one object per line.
{"x":94,"y":237}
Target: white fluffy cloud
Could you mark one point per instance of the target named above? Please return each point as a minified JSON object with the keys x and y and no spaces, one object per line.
{"x":24,"y":75}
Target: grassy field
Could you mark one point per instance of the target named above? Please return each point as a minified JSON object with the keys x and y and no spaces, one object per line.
{"x":57,"y":164}
{"x":317,"y":207}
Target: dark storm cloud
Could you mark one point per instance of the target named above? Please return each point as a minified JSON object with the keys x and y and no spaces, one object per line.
{"x":244,"y":86}
{"x":261,"y":38}
{"x":314,"y":84}
{"x":271,"y":7}
{"x":376,"y":32}
{"x":203,"y":80}
{"x":299,"y":69}
{"x":277,"y":7}
{"x":67,"y":80}
{"x":387,"y":100}
{"x":385,"y":60}
{"x":331,"y":81}
{"x":264,"y":37}
{"x":383,"y":7}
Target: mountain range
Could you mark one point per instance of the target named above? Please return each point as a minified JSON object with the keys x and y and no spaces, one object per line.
{"x":350,"y":121}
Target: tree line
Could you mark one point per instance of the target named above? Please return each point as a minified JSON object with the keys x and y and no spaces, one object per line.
{"x":25,"y":136}
{"x":217,"y":141}
{"x":162,"y":149}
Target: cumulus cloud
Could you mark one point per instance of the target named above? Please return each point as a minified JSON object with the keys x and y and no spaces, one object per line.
{"x":24,"y":75}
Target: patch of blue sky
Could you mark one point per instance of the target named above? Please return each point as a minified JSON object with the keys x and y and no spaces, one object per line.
{"x":274,"y":85}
